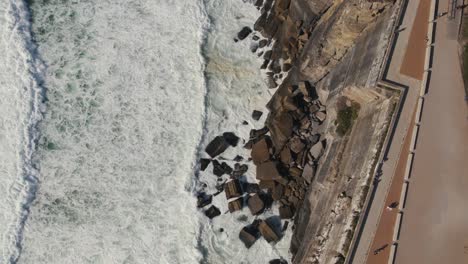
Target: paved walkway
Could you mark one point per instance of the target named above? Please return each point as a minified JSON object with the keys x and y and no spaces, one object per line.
{"x":389,"y":166}
{"x":435,"y":221}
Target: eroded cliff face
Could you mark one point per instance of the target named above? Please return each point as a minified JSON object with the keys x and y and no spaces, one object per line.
{"x":336,"y":32}
{"x":337,"y":46}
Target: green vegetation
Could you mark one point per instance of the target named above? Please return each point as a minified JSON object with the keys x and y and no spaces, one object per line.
{"x":346,"y":117}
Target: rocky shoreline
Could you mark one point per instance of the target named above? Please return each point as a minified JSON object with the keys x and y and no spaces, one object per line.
{"x":300,"y":42}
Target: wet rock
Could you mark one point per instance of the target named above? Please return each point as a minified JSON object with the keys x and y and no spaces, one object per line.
{"x":264,"y":64}
{"x":286,"y":212}
{"x":245,"y":31}
{"x":245,"y":123}
{"x":267,"y":55}
{"x":255,"y":37}
{"x":262,"y":43}
{"x":258,"y":3}
{"x":251,"y":188}
{"x":217,"y":168}
{"x":236,"y":204}
{"x":227,"y":169}
{"x":268,"y":171}
{"x":203,"y":200}
{"x":256,"y":204}
{"x":248,"y":235}
{"x":278,"y":261}
{"x":204,"y":163}
{"x":261,"y":151}
{"x":239,"y":170}
{"x":271,"y":82}
{"x":212,"y":212}
{"x":233,"y":189}
{"x":256,"y":115}
{"x":217,"y":146}
{"x":268,"y":232}
{"x":238,"y":158}
{"x":258,"y":133}
{"x":231,"y":138}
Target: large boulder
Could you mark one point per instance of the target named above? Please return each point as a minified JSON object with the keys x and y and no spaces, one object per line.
{"x":256,"y":204}
{"x":248,"y":235}
{"x":204,"y":163}
{"x":212,"y":212}
{"x":236,"y":204}
{"x":286,"y":212}
{"x":203,"y":200}
{"x":233,"y":189}
{"x":268,"y":171}
{"x":245,"y":31}
{"x":281,"y":128}
{"x":256,"y":114}
{"x":231,"y":138}
{"x":261,"y":151}
{"x":217,"y":146}
{"x":268,"y":232}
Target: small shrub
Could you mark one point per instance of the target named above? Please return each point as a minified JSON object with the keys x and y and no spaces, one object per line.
{"x":346,"y":117}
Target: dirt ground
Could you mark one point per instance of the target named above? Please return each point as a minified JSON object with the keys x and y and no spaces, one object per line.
{"x":413,"y":62}
{"x":384,"y":235}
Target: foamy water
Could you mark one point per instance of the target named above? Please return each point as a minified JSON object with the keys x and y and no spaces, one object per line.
{"x":135,"y":91}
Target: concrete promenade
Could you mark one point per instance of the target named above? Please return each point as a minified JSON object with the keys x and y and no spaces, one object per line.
{"x":410,"y":88}
{"x":435,"y":220}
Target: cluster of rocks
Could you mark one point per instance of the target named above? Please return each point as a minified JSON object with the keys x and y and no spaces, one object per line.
{"x":287,"y":160}
{"x":291,"y":35}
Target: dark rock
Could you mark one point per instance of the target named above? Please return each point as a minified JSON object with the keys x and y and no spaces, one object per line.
{"x":271,"y":82}
{"x":264,"y":64}
{"x":256,"y":204}
{"x":245,"y":123}
{"x":204,"y":163}
{"x":218,"y":169}
{"x":231,"y":138}
{"x":285,"y":156}
{"x":236,"y":204}
{"x":203,"y":200}
{"x":256,"y":115}
{"x":238,"y":158}
{"x":217,"y":146}
{"x":261,"y":151}
{"x":227,"y":169}
{"x":296,"y":144}
{"x":245,"y":31}
{"x":285,"y":226}
{"x":251,"y":188}
{"x":253,"y":47}
{"x":266,"y":184}
{"x":221,"y":230}
{"x":258,"y":3}
{"x":268,"y":171}
{"x":212,"y":212}
{"x":267,"y":54}
{"x":262,"y":43}
{"x":248,"y":235}
{"x":286,"y":67}
{"x":255,"y":37}
{"x":233,"y":189}
{"x":286,"y":212}
{"x":239,"y":170}
{"x":278,"y":261}
{"x":268,"y":232}
{"x":257,"y":133}
{"x":277,"y":192}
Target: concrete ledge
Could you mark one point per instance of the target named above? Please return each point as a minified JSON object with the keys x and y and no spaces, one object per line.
{"x":393,"y":250}
{"x":409,"y":163}
{"x":396,"y":228}
{"x":404,"y":192}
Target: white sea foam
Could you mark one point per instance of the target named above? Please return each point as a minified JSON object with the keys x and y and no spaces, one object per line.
{"x":135,"y":88}
{"x":21,"y":106}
